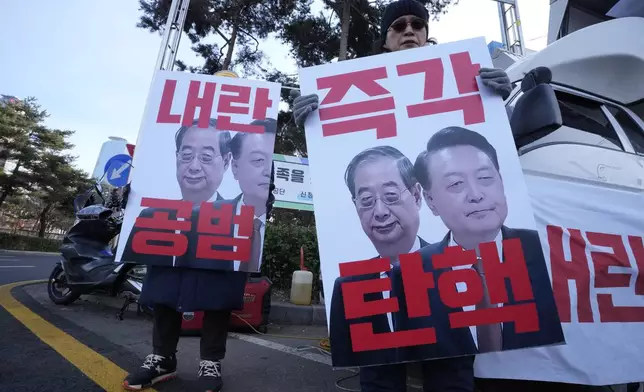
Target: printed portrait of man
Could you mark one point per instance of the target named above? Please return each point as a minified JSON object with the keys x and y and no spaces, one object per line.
{"x":202,"y":157}
{"x":387,"y":198}
{"x":251,"y":166}
{"x":462,"y":185}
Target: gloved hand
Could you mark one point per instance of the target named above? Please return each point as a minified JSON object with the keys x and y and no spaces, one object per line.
{"x":496,"y":79}
{"x":303,"y":106}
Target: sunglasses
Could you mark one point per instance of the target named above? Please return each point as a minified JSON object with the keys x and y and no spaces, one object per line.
{"x":416,"y":24}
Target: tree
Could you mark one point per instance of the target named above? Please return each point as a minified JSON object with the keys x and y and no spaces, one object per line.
{"x":24,"y":140}
{"x":318,"y":39}
{"x":58,"y":184}
{"x":240,"y":24}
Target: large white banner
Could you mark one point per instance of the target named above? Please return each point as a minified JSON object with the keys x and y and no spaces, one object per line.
{"x":415,"y":170}
{"x":201,"y":173}
{"x":592,"y":239}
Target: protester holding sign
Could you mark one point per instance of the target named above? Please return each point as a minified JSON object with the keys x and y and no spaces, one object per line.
{"x":202,"y":227}
{"x":404,"y":26}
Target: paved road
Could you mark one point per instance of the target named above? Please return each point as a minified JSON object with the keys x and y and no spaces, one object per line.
{"x":27,"y":363}
{"x":20,"y":267}
{"x":94,"y":345}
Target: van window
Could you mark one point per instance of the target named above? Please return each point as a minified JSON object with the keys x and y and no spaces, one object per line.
{"x":634,"y":133}
{"x":585,"y":122}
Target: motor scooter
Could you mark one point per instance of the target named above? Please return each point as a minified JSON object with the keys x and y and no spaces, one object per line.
{"x":87,"y":265}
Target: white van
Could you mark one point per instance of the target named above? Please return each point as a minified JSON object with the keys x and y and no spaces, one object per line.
{"x":598,"y":78}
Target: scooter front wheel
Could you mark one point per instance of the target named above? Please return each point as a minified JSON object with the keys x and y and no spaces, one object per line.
{"x":59,"y":292}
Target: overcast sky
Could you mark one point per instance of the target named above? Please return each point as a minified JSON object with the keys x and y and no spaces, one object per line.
{"x":90,"y":67}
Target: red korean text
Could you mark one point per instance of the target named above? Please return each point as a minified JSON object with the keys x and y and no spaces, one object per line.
{"x":419,"y":285}
{"x":608,"y":257}
{"x":232,"y":99}
{"x":218,"y":233}
{"x":468,"y":102}
{"x":162,"y":233}
{"x":222,"y":235}
{"x":377,"y":111}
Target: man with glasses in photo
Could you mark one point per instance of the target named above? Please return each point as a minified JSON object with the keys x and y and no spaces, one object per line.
{"x":387,"y":198}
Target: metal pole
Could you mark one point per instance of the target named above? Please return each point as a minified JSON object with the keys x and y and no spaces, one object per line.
{"x":504,"y":30}
{"x":166,"y":34}
{"x":183,"y":11}
{"x":519,"y":29}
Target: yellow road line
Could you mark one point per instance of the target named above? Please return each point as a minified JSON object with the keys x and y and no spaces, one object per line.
{"x":99,"y":369}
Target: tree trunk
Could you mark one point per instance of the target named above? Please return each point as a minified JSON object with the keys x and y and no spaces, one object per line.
{"x":344,"y":34}
{"x":42,"y":221}
{"x":231,"y":46}
{"x":6,"y":189}
{"x":3,"y":196}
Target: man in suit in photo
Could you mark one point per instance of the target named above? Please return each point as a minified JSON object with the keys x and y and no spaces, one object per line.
{"x":202,"y":157}
{"x":387,"y":198}
{"x":462,"y":184}
{"x":252,"y":162}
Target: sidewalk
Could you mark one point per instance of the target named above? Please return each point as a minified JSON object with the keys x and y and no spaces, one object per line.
{"x":286,"y":360}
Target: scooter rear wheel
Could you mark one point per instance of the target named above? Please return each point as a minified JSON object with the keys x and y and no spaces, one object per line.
{"x":59,"y":292}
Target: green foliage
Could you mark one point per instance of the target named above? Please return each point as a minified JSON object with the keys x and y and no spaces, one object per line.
{"x":316,"y":39}
{"x":235,"y":24}
{"x":23,"y":242}
{"x":43,"y":183}
{"x":281,"y":256}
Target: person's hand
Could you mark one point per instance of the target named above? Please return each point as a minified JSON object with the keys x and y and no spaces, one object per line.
{"x":497,"y":80}
{"x":303,"y":106}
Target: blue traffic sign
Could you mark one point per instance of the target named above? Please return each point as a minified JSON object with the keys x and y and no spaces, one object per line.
{"x":117,"y":170}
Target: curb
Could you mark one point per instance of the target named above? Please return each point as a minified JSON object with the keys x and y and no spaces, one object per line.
{"x":28,"y":252}
{"x":287,"y":313}
{"x":282,"y":313}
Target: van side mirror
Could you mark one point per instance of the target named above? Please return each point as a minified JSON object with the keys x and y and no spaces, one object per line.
{"x":536,"y":113}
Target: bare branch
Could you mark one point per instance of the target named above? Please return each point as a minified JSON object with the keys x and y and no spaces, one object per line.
{"x":222,"y":36}
{"x":253,"y":38}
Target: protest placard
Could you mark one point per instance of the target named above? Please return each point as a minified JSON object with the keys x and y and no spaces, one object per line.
{"x":201,"y":173}
{"x":427,"y":239}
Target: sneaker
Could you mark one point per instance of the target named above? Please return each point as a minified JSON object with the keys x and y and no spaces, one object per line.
{"x":155,"y":368}
{"x":210,"y":376}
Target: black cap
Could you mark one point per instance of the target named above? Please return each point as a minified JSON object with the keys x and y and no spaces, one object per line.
{"x":401,"y":8}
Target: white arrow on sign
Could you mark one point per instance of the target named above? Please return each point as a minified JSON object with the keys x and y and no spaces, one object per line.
{"x":116,"y":173}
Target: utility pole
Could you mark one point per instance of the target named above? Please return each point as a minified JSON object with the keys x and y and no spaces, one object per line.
{"x":511,"y":32}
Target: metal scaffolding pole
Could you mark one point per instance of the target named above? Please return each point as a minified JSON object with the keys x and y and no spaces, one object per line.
{"x":172,"y":35}
{"x":511,"y":31}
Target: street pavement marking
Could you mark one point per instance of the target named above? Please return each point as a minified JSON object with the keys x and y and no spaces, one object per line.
{"x":17,"y":266}
{"x":99,"y":369}
{"x":325,"y":359}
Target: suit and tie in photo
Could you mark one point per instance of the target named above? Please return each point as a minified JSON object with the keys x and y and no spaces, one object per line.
{"x":387,"y":198}
{"x":462,"y":184}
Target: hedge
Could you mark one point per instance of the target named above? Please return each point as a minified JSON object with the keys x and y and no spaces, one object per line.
{"x":23,"y":242}
{"x":281,"y":251}
{"x":281,"y":254}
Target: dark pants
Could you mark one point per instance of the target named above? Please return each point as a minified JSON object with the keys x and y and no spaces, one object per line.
{"x":441,"y":375}
{"x":167,"y":329}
